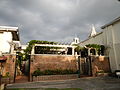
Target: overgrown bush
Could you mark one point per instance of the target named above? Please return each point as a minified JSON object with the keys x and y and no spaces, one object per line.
{"x":54,"y":72}
{"x":37,"y":73}
{"x":7,"y":75}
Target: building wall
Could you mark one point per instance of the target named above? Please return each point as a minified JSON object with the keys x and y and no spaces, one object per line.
{"x":98,"y":39}
{"x":117,"y":43}
{"x":9,"y":65}
{"x":109,"y":44}
{"x":6,"y":37}
{"x":100,"y":63}
{"x":112,"y":42}
{"x":9,"y":39}
{"x":110,"y":38}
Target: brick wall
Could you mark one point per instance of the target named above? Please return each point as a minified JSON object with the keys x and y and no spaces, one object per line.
{"x":94,"y":64}
{"x":44,"y":62}
{"x":9,"y":65}
{"x":100,"y":63}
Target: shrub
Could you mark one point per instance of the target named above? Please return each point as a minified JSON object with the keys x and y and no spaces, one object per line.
{"x":37,"y":73}
{"x":48,"y":72}
{"x":53,"y":72}
{"x":100,"y":71}
{"x":7,"y":74}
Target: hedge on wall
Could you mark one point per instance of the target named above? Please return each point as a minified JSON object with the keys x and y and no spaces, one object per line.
{"x":53,"y":72}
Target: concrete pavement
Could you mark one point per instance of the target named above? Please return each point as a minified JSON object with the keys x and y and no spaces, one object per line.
{"x":88,"y":83}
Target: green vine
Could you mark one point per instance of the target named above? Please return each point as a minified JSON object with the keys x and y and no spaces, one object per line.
{"x":99,"y":48}
{"x":33,"y":42}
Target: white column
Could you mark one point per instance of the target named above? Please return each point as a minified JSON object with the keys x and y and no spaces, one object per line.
{"x":73,"y":51}
{"x":96,"y":52}
{"x":33,"y":50}
{"x":89,"y":51}
{"x":12,"y":49}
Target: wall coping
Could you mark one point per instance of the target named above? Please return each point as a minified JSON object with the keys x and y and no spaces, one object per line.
{"x":50,"y":55}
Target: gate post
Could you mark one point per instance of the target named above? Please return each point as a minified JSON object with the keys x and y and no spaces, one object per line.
{"x":90,"y":62}
{"x":29,"y":57}
{"x":78,"y":66}
{"x":0,"y":79}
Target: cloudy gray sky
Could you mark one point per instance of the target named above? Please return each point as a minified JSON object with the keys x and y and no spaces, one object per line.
{"x":57,"y":20}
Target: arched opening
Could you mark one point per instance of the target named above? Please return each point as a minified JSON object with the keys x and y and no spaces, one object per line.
{"x":92,"y":51}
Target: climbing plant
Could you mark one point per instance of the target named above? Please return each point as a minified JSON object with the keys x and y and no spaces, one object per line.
{"x":46,"y":50}
{"x":33,"y":42}
{"x":99,"y":48}
{"x":78,"y":48}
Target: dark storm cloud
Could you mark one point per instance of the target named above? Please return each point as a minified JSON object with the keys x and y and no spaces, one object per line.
{"x":57,"y":20}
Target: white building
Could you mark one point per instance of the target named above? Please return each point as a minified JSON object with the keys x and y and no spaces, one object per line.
{"x":9,"y":39}
{"x":93,"y":31}
{"x":75,"y":41}
{"x":23,"y":47}
{"x":110,"y":38}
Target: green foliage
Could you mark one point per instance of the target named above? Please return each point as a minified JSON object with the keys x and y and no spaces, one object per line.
{"x":32,"y":42}
{"x":19,"y":58}
{"x":100,"y":48}
{"x":46,"y":49}
{"x":44,"y":89}
{"x":63,"y":89}
{"x":37,"y":73}
{"x":7,"y":74}
{"x":100,"y":71}
{"x":94,"y":46}
{"x":78,"y":48}
{"x":68,"y":71}
{"x":53,"y":72}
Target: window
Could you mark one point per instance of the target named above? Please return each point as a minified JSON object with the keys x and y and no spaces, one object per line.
{"x":15,"y":36}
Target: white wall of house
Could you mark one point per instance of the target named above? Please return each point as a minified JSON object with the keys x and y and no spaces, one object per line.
{"x":5,"y":38}
{"x":117,"y":43}
{"x":97,"y":39}
{"x":112,"y":41}
{"x":110,"y":38}
{"x":7,"y":43}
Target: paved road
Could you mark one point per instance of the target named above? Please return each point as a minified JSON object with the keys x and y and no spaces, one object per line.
{"x":99,"y":83}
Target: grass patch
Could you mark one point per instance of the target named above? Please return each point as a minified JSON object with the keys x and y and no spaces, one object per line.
{"x":44,"y":89}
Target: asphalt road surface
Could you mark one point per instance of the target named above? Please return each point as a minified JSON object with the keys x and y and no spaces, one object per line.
{"x":89,"y":83}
